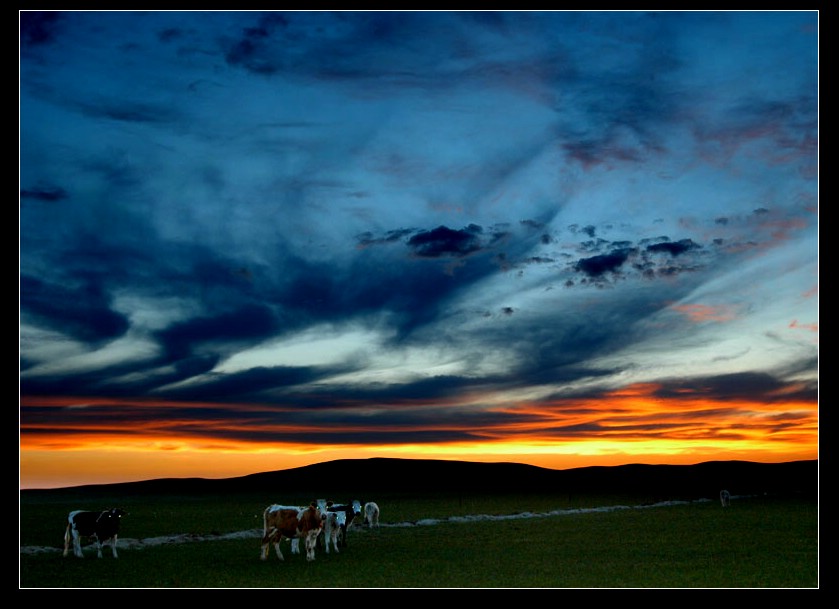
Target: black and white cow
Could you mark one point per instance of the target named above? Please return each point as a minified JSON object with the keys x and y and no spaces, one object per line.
{"x":101,"y":527}
{"x":351,"y":510}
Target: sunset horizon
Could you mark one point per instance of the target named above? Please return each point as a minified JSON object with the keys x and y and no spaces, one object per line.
{"x":120,"y":452}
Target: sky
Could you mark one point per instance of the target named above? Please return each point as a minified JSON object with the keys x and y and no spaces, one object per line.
{"x":251,"y":241}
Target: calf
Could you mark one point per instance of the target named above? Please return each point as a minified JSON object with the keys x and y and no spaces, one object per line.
{"x":290,"y":522}
{"x":725,"y":498}
{"x":371,"y":514}
{"x":100,"y":526}
{"x":351,"y":511}
{"x":332,"y":528}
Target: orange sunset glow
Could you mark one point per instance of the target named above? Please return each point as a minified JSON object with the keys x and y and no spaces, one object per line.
{"x":626,"y":426}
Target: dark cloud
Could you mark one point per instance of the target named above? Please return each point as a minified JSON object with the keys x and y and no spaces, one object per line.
{"x":597,"y":266}
{"x":129,"y":112}
{"x":444,"y":241}
{"x":368,"y":238}
{"x":246,"y":322}
{"x":741,"y":386}
{"x":169,"y":34}
{"x":44,"y":193}
{"x":38,"y":27}
{"x":83,"y":312}
{"x":246,"y":53}
{"x":673,"y":248}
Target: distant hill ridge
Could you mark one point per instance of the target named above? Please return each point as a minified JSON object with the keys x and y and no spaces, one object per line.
{"x":658,"y":482}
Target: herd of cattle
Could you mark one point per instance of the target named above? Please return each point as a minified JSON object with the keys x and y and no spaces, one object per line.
{"x":279,"y":522}
{"x":307,"y":523}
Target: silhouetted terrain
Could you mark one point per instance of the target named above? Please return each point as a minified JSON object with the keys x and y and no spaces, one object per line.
{"x":656,"y":482}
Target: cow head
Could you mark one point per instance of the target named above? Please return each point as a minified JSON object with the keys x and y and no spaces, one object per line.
{"x":340,"y":518}
{"x":314,"y":510}
{"x":111,"y":514}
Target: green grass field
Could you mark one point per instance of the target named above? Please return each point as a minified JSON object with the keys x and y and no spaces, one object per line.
{"x":760,"y":542}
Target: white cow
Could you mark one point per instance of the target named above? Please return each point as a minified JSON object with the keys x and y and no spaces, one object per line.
{"x":371,"y":514}
{"x":725,"y":498}
{"x":332,"y":525}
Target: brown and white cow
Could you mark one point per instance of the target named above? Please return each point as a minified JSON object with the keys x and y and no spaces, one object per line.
{"x":290,"y":522}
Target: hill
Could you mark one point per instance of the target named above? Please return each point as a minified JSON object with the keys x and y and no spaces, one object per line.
{"x":658,"y":482}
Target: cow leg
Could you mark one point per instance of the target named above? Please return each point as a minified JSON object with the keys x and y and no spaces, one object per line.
{"x":267,"y":539}
{"x":274,"y":537}
{"x":278,"y":539}
{"x":311,"y":544}
{"x":114,"y":546}
{"x":295,"y":545}
{"x":67,"y":540}
{"x":77,"y":544}
{"x":277,"y":550}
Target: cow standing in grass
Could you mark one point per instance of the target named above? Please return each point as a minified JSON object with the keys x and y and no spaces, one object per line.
{"x":332,"y":523}
{"x":100,"y":526}
{"x":350,"y":510}
{"x":371,"y":514}
{"x":725,"y":498}
{"x":290,"y":522}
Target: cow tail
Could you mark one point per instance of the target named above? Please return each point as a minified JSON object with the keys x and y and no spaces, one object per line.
{"x":66,"y":539}
{"x":266,"y":529}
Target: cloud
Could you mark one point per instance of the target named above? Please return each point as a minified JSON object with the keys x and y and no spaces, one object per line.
{"x":38,"y":27}
{"x":597,"y":266}
{"x":44,"y":193}
{"x":674,"y":249}
{"x":443,"y":241}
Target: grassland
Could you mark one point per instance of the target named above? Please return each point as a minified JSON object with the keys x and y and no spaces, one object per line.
{"x":759,"y":542}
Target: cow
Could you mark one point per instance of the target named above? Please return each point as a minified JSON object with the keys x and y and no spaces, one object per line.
{"x":371,"y":514}
{"x":99,"y":526}
{"x":351,"y":510}
{"x":290,"y":522}
{"x":725,"y":498}
{"x":333,"y":521}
